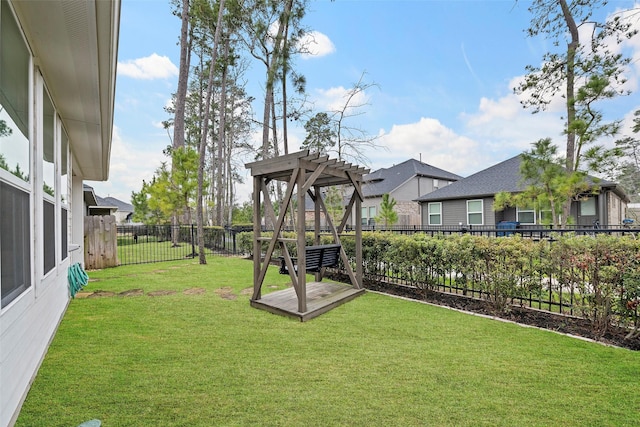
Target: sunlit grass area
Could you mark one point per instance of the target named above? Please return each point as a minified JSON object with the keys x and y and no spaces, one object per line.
{"x":207,"y":358}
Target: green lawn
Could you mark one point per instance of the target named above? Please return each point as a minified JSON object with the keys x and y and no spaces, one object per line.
{"x":210,"y":360}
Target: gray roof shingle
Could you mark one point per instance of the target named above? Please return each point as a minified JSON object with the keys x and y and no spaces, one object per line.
{"x":504,"y":176}
{"x":385,"y":180}
{"x":113,"y":202}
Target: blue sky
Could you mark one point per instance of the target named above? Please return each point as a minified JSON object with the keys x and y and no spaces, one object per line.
{"x":444,"y":73}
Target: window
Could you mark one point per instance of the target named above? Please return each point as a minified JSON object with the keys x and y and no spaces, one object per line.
{"x":14,"y":97}
{"x":15,"y":261}
{"x":588,"y":207}
{"x":474,"y":212}
{"x":15,"y":148}
{"x":526,"y":215}
{"x":436,"y":184}
{"x":64,"y":233}
{"x":48,"y":184}
{"x":49,"y":236}
{"x":435,"y":213}
{"x":369,"y":215}
{"x":64,"y":195}
{"x":49,"y":143}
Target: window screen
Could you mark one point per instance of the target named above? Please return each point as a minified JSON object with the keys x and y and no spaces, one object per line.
{"x":15,"y":238}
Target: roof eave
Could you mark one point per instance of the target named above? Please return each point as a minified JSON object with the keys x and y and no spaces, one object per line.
{"x":75,"y":45}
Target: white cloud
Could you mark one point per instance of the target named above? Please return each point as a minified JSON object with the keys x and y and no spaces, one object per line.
{"x":499,"y":129}
{"x":504,"y":126}
{"x":316,"y":44}
{"x":505,"y":108}
{"x":430,"y":140}
{"x":148,"y":68}
{"x":335,"y":98}
{"x":129,"y":167}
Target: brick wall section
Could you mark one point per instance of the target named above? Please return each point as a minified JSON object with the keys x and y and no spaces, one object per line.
{"x":408,"y":213}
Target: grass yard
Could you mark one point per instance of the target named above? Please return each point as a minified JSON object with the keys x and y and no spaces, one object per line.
{"x":209,"y":359}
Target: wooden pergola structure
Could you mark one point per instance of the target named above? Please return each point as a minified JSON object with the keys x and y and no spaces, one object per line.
{"x":305,"y":173}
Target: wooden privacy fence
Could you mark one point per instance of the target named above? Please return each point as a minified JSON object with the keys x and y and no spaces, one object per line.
{"x":100,"y":242}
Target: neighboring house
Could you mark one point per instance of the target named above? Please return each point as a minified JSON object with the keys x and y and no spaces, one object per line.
{"x":470,"y":201}
{"x":404,"y":182}
{"x":124,"y":210}
{"x":633,"y":212}
{"x":57,"y":87}
{"x":96,"y":205}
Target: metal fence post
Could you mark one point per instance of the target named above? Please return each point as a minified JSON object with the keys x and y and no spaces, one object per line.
{"x":193,"y":246}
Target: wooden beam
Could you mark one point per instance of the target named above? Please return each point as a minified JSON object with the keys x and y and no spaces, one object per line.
{"x":347,"y":213}
{"x":275,"y":164}
{"x":290,"y":267}
{"x":357,"y":185}
{"x":278,"y":225}
{"x":336,"y":238}
{"x":312,"y":179}
{"x":257,"y":250}
{"x":302,"y":256}
{"x":358,"y":242}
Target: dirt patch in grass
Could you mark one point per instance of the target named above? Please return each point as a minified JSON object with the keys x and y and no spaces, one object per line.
{"x":246,"y":291}
{"x":226,"y":293}
{"x":81,"y":294}
{"x":131,"y":293}
{"x":161,"y":293}
{"x":101,"y":294}
{"x":194,"y":291}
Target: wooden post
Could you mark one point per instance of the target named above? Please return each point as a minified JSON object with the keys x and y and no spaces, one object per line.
{"x":316,"y":221}
{"x":301,"y":244}
{"x":257,"y":243}
{"x":358,"y":225}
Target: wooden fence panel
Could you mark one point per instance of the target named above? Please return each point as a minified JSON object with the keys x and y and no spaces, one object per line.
{"x":100,"y":242}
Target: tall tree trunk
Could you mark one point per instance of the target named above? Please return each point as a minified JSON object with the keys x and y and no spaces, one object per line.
{"x":285,"y":69}
{"x":203,"y":141}
{"x":572,"y":48}
{"x":183,"y":78}
{"x":220,"y":187}
{"x":271,"y":75}
{"x":276,"y":148}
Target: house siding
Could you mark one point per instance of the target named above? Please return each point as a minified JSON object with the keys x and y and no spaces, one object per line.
{"x":616,"y":209}
{"x":26,"y":330}
{"x":28,"y":321}
{"x":454,"y":212}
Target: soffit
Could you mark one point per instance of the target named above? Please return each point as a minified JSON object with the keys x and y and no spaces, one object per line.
{"x":75,"y":44}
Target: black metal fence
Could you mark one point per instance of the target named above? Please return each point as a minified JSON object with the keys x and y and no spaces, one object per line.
{"x":140,"y":244}
{"x":533,"y":231}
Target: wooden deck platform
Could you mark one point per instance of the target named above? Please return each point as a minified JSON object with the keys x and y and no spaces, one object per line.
{"x":321,"y":297}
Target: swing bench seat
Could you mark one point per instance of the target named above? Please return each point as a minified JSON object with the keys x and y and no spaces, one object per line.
{"x":317,"y":258}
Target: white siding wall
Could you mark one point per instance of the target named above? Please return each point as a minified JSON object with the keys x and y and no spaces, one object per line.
{"x":26,"y":328}
{"x":28,"y":322}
